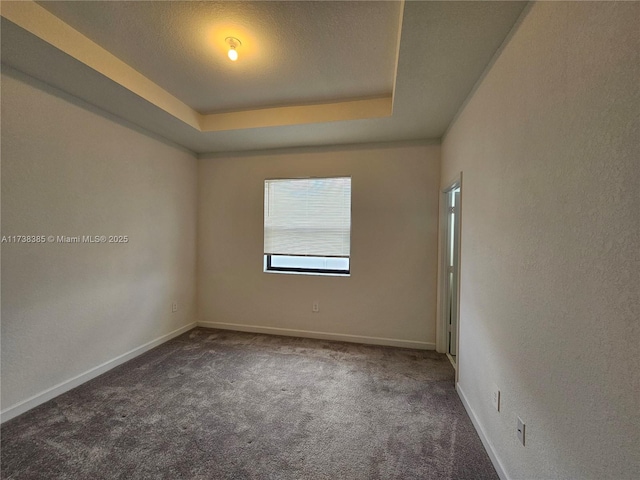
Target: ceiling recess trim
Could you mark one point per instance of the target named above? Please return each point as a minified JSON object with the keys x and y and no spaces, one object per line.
{"x":397,"y":60}
{"x":46,"y":26}
{"x":299,"y":114}
{"x":40,"y":22}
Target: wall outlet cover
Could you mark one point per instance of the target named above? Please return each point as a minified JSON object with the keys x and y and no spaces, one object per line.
{"x":521,"y":427}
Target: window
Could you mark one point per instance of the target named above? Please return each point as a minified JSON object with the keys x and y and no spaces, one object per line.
{"x":307,"y":225}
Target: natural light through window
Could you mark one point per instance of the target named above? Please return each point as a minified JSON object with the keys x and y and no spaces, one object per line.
{"x":307,"y":225}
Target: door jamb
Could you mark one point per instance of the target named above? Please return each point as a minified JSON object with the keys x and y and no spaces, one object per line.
{"x":442,"y":323}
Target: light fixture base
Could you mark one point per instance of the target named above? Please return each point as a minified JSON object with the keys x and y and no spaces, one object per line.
{"x":233,"y":42}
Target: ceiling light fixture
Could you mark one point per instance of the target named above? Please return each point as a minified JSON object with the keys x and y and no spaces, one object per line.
{"x":233,"y":44}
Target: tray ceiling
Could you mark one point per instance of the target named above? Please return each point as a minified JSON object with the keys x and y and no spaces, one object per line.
{"x":309,"y":73}
{"x":292,"y":53}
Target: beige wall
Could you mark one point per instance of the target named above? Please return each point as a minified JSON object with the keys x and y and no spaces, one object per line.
{"x":391,"y":291}
{"x":70,"y":170}
{"x":549,"y":149}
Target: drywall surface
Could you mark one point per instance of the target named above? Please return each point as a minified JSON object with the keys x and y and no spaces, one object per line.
{"x":68,"y":170}
{"x":549,"y":150}
{"x":391,"y":291}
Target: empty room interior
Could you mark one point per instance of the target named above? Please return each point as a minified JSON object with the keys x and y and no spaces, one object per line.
{"x":320,"y":240}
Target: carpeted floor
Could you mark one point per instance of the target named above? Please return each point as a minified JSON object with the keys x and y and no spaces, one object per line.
{"x":214,"y":404}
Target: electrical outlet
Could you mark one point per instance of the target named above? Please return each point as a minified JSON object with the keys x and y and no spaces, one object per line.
{"x":495,"y":397}
{"x":174,"y":307}
{"x":520,"y":428}
{"x":315,"y":308}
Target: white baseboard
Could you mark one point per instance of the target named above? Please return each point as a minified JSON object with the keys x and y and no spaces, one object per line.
{"x":46,"y":395}
{"x":488,"y":446}
{"x":341,"y":337}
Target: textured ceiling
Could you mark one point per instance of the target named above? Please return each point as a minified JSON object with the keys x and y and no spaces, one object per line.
{"x":445,"y":46}
{"x":291,"y":52}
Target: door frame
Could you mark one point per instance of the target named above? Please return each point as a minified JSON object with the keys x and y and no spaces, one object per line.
{"x":442,"y":325}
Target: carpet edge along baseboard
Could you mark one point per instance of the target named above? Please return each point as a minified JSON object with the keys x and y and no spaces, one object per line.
{"x":341,"y":337}
{"x":62,"y":387}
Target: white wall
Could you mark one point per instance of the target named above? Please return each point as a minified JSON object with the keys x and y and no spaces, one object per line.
{"x":549,"y":149}
{"x":391,"y":291}
{"x":69,"y":170}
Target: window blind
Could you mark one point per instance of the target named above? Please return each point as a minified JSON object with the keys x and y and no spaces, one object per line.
{"x":310,"y":216}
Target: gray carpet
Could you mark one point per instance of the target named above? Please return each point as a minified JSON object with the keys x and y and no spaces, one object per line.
{"x":214,"y":404}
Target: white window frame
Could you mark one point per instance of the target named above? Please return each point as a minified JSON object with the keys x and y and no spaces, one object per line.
{"x":308,"y":264}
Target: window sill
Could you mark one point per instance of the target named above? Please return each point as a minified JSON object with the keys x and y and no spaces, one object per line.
{"x":315,"y":274}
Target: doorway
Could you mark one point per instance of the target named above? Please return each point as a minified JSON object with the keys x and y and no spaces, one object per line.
{"x":450,"y":270}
